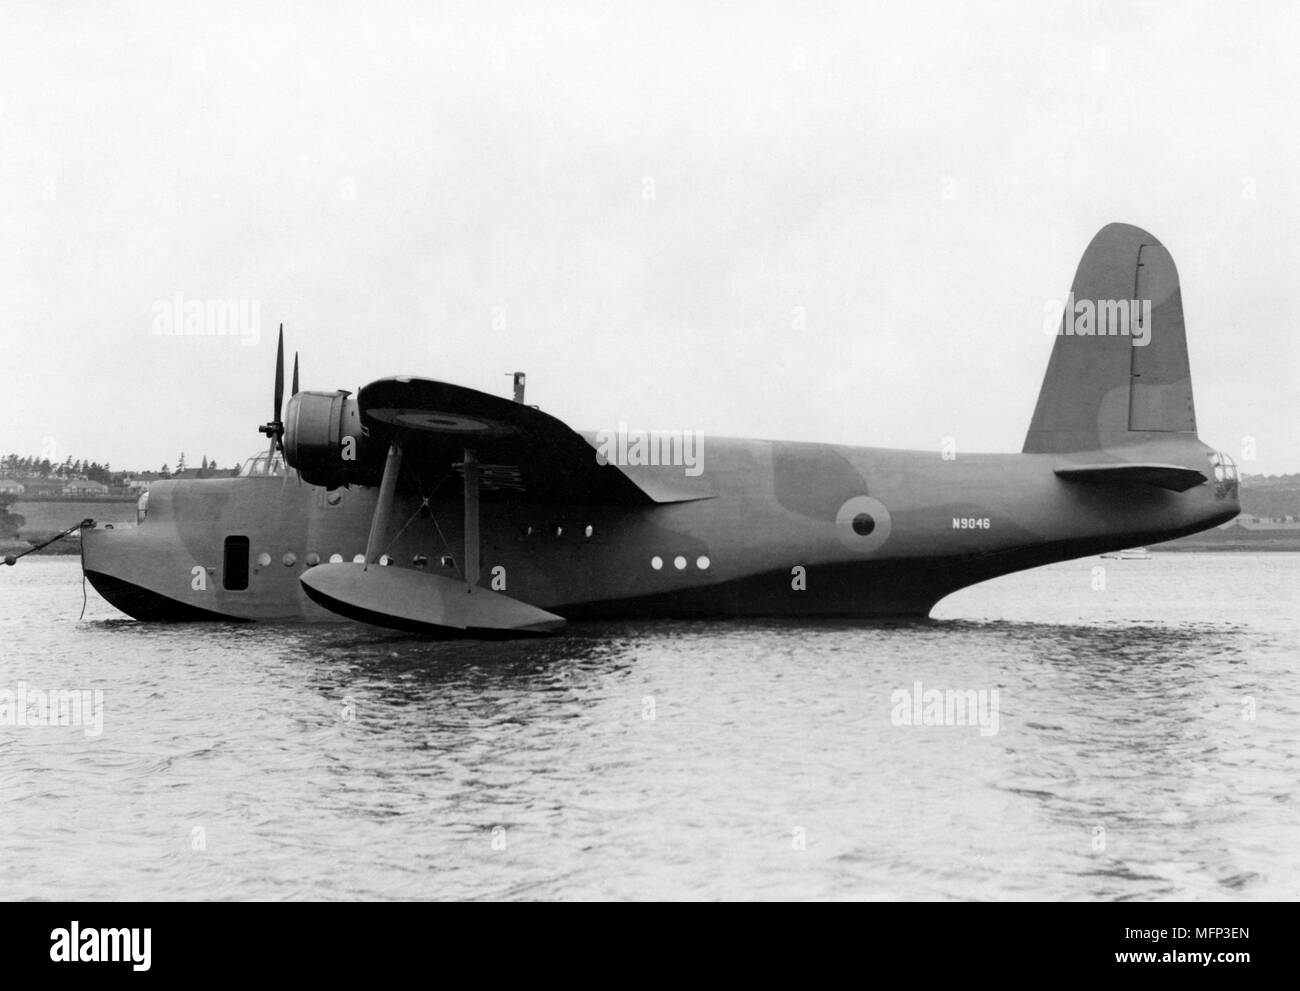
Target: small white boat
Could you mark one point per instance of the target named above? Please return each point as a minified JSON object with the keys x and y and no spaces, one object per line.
{"x":1129,"y":554}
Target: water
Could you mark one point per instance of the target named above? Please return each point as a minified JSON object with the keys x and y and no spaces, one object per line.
{"x":673,"y":760}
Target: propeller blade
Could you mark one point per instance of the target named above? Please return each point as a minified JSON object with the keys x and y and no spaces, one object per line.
{"x":295,"y":374}
{"x":275,"y":429}
{"x":279,"y":377}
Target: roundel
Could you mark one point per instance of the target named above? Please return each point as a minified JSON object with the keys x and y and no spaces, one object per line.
{"x":863,"y":523}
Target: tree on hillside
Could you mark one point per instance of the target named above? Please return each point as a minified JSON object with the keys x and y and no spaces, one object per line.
{"x":10,"y":523}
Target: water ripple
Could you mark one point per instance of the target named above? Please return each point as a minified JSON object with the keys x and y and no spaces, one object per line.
{"x":1146,"y":748}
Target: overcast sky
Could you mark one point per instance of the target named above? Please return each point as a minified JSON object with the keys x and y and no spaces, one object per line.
{"x":631,"y":206}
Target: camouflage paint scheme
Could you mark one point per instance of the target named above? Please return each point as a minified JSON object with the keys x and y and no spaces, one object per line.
{"x":767,"y":529}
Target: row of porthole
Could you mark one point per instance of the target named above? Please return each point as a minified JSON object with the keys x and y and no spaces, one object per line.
{"x":313,"y":559}
{"x":679,"y":562}
{"x":558,"y":530}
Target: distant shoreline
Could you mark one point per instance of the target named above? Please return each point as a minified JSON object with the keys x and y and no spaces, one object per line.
{"x":84,"y":497}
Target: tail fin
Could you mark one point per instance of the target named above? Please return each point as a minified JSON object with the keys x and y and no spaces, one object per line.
{"x":1118,"y":374}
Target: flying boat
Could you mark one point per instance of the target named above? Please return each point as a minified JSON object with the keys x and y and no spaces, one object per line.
{"x":420,"y":505}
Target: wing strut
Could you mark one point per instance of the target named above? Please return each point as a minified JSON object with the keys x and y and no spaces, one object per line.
{"x":471,"y":521}
{"x":411,"y":599}
{"x":384,"y":507}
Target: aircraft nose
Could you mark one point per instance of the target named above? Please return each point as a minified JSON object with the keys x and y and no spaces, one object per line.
{"x":94,"y":550}
{"x":109,"y":550}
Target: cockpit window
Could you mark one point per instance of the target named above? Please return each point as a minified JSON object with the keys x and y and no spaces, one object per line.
{"x":142,"y":507}
{"x":262,"y":466}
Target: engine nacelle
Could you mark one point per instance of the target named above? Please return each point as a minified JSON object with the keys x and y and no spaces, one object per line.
{"x":325,"y":440}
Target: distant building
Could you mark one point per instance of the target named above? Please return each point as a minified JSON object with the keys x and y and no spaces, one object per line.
{"x":84,"y":487}
{"x":1256,"y":523}
{"x":190,"y":473}
{"x":12,"y":486}
{"x":35,"y":487}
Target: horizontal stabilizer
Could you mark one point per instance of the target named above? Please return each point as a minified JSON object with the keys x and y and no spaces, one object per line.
{"x":1175,"y":478}
{"x":405,"y":599}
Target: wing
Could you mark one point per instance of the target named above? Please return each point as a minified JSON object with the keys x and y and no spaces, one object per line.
{"x":523,"y":453}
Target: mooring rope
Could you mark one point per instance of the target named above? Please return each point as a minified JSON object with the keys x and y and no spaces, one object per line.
{"x":12,"y":559}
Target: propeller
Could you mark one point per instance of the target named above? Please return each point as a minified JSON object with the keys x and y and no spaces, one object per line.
{"x":275,"y":429}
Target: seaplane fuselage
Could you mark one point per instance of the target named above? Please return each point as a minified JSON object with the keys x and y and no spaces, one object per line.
{"x":425,"y":506}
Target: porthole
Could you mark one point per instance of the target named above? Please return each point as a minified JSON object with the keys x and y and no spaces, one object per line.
{"x":589,"y":531}
{"x":264,"y":560}
{"x":656,"y":562}
{"x":385,"y":561}
{"x":289,"y":559}
{"x":313,"y":559}
{"x":420,"y":561}
{"x":336,"y":559}
{"x":358,"y":559}
{"x":702,"y":562}
{"x":679,"y":563}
